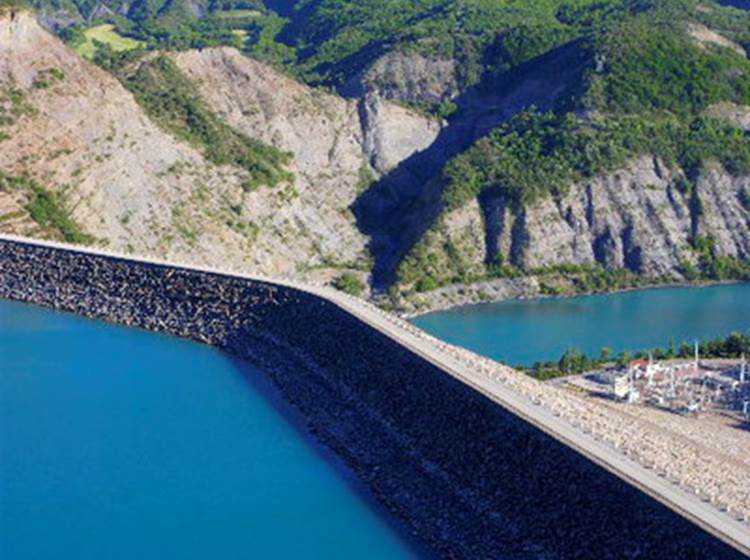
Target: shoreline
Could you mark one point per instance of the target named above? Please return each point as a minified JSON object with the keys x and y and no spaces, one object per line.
{"x":408,"y":316}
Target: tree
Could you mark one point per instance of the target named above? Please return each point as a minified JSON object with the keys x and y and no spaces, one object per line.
{"x":574,"y":361}
{"x":350,"y":283}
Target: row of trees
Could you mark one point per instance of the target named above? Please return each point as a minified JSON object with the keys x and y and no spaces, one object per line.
{"x":574,"y":361}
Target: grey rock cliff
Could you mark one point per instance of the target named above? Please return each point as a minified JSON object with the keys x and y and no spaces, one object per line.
{"x":391,"y":133}
{"x":643,"y":217}
{"x":407,"y":77}
{"x":636,"y":218}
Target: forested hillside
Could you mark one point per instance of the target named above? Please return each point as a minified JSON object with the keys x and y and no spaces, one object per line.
{"x":582,"y":144}
{"x":661,"y":83}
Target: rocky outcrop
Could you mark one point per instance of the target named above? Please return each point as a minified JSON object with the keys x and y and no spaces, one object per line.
{"x":391,"y":133}
{"x":734,"y":114}
{"x":138,"y":188}
{"x":706,"y":37}
{"x":640,"y":218}
{"x":407,"y":77}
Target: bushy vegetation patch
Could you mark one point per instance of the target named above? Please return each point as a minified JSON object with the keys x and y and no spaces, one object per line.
{"x":350,"y":283}
{"x":47,"y":78}
{"x":649,"y":66}
{"x":713,"y":266}
{"x":173,"y":103}
{"x":46,"y":208}
{"x":14,"y":105}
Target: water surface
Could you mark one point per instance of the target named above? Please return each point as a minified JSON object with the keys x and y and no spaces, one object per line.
{"x":524,"y":331}
{"x":119,"y":443}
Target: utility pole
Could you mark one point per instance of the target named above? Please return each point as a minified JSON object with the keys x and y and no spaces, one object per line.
{"x":743,"y":369}
{"x":695,"y":365}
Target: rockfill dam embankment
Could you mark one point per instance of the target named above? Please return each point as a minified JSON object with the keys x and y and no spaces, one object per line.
{"x":468,"y":476}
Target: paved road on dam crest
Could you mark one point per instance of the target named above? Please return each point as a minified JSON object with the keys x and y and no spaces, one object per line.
{"x":511,"y":395}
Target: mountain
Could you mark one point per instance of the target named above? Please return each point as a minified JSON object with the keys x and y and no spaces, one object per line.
{"x":639,"y":172}
{"x":442,"y":151}
{"x":199,"y":155}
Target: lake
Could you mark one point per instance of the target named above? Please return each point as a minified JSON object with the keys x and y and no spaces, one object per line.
{"x":521,"y":332}
{"x":120,"y":443}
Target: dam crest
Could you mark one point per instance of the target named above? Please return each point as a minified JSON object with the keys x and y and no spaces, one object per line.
{"x":474,"y":465}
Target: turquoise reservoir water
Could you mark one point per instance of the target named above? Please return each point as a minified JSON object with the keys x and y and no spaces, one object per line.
{"x":524,"y":331}
{"x":118,"y":443}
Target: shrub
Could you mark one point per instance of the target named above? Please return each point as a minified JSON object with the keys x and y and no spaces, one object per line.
{"x":350,"y":283}
{"x":172,"y":101}
{"x":46,"y":208}
{"x":427,"y":284}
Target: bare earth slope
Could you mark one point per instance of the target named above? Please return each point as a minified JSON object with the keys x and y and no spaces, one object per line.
{"x":337,"y":144}
{"x":85,"y":136}
{"x":79,"y":133}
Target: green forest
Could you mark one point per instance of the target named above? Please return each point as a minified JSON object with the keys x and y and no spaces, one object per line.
{"x":329,"y":41}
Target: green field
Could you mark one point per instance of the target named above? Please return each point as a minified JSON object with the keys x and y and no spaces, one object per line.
{"x":237,"y":14}
{"x":105,"y":34}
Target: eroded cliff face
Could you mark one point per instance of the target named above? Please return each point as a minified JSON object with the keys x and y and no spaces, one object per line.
{"x":137,"y":188}
{"x":407,"y":77}
{"x":643,"y":218}
{"x":338,"y":145}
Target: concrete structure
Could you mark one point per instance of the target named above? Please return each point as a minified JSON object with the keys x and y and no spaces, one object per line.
{"x":477,"y":469}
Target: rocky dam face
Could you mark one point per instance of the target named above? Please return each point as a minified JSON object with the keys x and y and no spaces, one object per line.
{"x":472,"y":479}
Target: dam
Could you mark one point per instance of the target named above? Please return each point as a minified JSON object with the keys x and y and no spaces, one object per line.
{"x":473,"y":464}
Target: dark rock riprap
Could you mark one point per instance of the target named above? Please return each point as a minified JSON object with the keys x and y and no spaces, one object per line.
{"x":470,"y":478}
